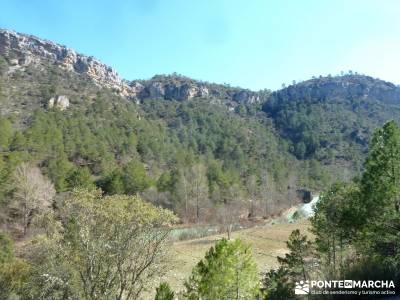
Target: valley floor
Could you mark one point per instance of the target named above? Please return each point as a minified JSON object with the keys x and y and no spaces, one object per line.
{"x":268,"y":242}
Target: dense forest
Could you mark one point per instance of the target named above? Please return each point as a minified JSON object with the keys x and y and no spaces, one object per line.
{"x":304,"y":136}
{"x":160,"y":149}
{"x":195,"y":156}
{"x":332,"y":118}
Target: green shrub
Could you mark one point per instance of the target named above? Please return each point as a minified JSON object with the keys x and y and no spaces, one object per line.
{"x":164,"y":292}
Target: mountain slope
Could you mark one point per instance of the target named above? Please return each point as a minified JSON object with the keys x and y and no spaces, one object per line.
{"x":85,"y":126}
{"x":330,"y":118}
{"x":83,"y":131}
{"x":22,"y":51}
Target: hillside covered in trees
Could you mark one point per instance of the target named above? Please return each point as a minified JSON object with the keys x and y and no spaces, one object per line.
{"x":331,"y":118}
{"x":193,"y":152}
{"x":95,"y":170}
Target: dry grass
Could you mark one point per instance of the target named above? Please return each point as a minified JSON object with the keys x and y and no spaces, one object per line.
{"x":267,"y":242}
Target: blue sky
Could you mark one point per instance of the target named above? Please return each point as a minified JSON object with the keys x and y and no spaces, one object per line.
{"x":250,"y":43}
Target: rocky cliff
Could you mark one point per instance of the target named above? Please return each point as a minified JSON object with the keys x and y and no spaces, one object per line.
{"x":354,"y":86}
{"x":178,"y":87}
{"x":21,"y":50}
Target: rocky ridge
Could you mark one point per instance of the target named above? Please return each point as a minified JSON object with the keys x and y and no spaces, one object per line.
{"x":22,"y":50}
{"x":349,"y":86}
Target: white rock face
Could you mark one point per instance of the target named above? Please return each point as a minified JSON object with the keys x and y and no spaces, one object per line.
{"x":32,"y":50}
{"x":61,"y":102}
{"x":14,"y":62}
{"x":23,"y":50}
{"x":246,"y":97}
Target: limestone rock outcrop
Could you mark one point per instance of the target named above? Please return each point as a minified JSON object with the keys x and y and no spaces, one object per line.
{"x":61,"y":102}
{"x":22,"y":50}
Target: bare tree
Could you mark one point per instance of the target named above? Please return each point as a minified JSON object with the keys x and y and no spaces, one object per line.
{"x":253,"y":190}
{"x":199,"y":186}
{"x":291,"y":194}
{"x":32,"y":192}
{"x":157,"y":198}
{"x":231,"y":209}
{"x":182,"y":192}
{"x":267,"y":189}
{"x":193,"y":190}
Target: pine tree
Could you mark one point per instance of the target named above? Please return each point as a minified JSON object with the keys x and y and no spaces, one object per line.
{"x":228,"y":271}
{"x":113,"y":183}
{"x":58,"y":170}
{"x":135,"y":177}
{"x":80,"y":178}
{"x":296,"y":260}
{"x":336,"y":221}
{"x":279,"y":285}
{"x":164,"y":292}
{"x":380,"y":181}
{"x":380,"y":192}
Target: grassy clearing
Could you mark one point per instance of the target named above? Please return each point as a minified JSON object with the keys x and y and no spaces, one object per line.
{"x":267,"y":242}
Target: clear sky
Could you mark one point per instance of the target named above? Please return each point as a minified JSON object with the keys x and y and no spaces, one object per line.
{"x":250,"y":43}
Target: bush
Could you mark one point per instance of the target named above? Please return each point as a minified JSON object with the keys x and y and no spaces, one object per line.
{"x":13,"y":271}
{"x":6,"y":249}
{"x":164,"y":292}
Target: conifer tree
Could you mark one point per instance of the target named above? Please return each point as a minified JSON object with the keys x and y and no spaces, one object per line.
{"x":228,"y":271}
{"x":164,"y":292}
{"x":380,"y":192}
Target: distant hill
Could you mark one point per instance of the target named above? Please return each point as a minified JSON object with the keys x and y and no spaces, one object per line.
{"x":76,"y":118}
{"x":330,"y":118}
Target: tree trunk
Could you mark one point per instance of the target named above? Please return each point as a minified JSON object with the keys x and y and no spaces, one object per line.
{"x":237,"y":285}
{"x":197,"y":210}
{"x":25,"y":219}
{"x":341,"y":253}
{"x":229,"y":231}
{"x":334,"y":254}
